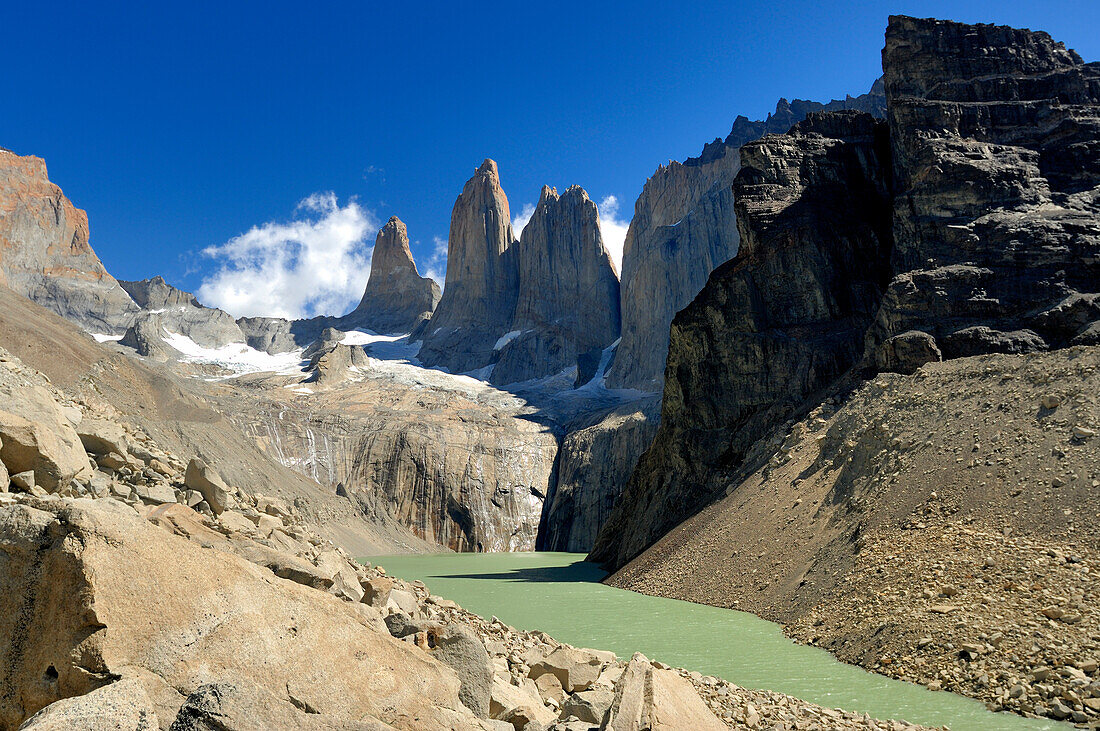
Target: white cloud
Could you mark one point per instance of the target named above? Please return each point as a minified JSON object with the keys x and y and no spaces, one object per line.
{"x":613,"y":230}
{"x":315,"y":265}
{"x":521,"y":218}
{"x":436,"y":265}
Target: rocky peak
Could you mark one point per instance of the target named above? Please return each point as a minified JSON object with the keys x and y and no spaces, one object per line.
{"x":45,"y":254}
{"x":482,"y":280}
{"x":568,"y":300}
{"x":155,"y":294}
{"x":789,"y":113}
{"x":396,"y":298}
{"x":391,"y":248}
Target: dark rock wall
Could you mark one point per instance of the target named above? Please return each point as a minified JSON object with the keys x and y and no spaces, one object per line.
{"x":996,"y":139}
{"x":779,"y":322}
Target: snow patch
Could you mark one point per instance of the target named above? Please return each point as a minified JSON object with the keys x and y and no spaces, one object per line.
{"x":236,"y":357}
{"x":103,"y":338}
{"x":366,"y":337}
{"x":507,"y":338}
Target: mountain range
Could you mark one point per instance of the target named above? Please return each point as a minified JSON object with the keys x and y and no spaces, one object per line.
{"x":854,"y":330}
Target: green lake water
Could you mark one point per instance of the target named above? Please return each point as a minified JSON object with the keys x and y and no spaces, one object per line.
{"x":560,"y":594}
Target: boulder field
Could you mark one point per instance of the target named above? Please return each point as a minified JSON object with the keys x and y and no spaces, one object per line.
{"x":137,"y":597}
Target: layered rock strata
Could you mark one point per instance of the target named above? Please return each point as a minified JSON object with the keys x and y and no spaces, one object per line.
{"x":44,"y":250}
{"x":396,"y":299}
{"x":996,"y":143}
{"x":457,"y":462}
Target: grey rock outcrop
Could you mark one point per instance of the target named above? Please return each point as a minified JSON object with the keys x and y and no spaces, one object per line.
{"x":336,"y":363}
{"x":996,"y":152}
{"x":44,"y":250}
{"x":157,"y":294}
{"x":594,"y":464}
{"x":782,"y":320}
{"x":396,"y":299}
{"x":146,"y":337}
{"x":179,"y":313}
{"x":269,"y":334}
{"x":683,"y":227}
{"x":568,"y":296}
{"x":482,"y":279}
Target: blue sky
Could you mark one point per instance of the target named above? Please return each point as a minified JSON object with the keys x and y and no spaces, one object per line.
{"x":181,"y":126}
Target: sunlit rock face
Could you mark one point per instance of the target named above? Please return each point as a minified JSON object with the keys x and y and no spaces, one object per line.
{"x":450,"y":458}
{"x":482,"y":284}
{"x":396,"y":299}
{"x":45,"y":254}
{"x":568,"y":302}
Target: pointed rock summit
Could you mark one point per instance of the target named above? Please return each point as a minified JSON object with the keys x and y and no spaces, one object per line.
{"x":396,"y":298}
{"x":568,"y":302}
{"x":528,"y":308}
{"x":482,"y":280}
{"x":44,"y":250}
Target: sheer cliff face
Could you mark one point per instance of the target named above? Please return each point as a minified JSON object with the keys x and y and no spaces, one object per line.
{"x":683,"y":227}
{"x":996,"y":139}
{"x":988,"y":241}
{"x":780,"y":321}
{"x":482,"y":278}
{"x":568,"y":302}
{"x":396,"y":298}
{"x":44,"y":250}
{"x":594,"y":465}
{"x":459,"y":464}
{"x":528,"y":308}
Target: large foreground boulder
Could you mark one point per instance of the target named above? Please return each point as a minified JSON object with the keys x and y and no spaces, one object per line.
{"x":122,"y":706}
{"x":657,"y":700}
{"x":91,"y":592}
{"x":35,"y":435}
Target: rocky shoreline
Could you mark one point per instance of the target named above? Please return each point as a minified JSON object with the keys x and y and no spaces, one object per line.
{"x":938,"y":528}
{"x":1001,"y":618}
{"x":158,"y":595}
{"x":506,"y":678}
